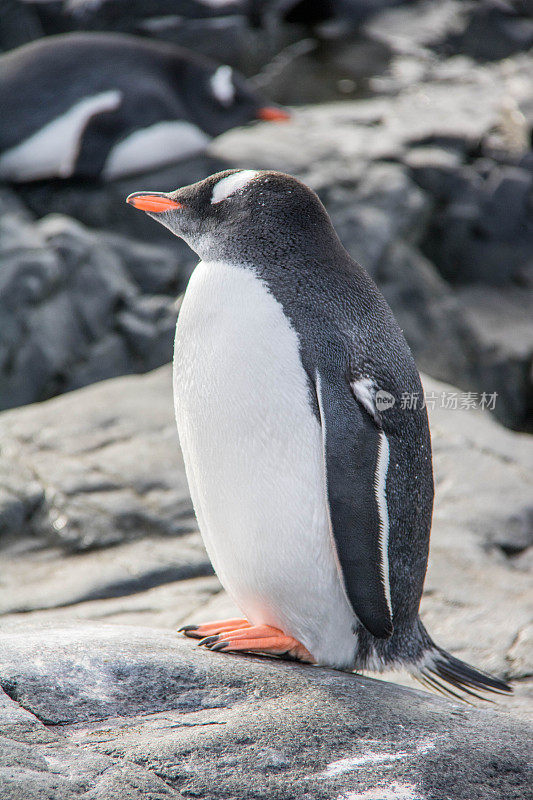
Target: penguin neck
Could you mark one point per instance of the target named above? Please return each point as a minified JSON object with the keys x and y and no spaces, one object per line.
{"x":272,"y":249}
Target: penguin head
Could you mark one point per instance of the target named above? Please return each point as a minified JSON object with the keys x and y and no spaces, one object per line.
{"x":222,"y":99}
{"x":242,"y":214}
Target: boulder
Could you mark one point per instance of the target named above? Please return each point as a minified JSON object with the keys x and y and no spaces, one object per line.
{"x":123,"y":711}
{"x":79,"y":306}
{"x":502,"y":346}
{"x":108,"y":462}
{"x":20,"y":24}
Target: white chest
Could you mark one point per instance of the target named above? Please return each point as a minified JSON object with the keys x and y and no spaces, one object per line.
{"x":253,"y":453}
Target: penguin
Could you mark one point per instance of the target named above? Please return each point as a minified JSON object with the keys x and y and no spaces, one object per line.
{"x":312,"y":484}
{"x":100,"y":105}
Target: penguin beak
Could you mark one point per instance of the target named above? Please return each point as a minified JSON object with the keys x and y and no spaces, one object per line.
{"x":154,"y":202}
{"x":273,"y":114}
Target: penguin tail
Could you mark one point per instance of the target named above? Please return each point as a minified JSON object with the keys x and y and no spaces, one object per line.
{"x":441,"y":671}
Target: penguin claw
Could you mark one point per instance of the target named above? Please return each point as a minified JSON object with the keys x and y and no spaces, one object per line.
{"x":218,"y":646}
{"x":207,"y":641}
{"x":205,"y":629}
{"x":189,"y":630}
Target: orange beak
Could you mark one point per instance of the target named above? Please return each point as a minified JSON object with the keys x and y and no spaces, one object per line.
{"x":273,"y":114}
{"x":153,"y":202}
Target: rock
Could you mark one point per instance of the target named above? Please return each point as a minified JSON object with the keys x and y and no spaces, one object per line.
{"x":487,"y":30}
{"x":156,"y":578}
{"x":502,"y":348}
{"x":316,"y":71}
{"x":517,"y":536}
{"x":36,"y":763}
{"x":433,"y":320}
{"x":85,"y":454}
{"x":494,"y":31}
{"x":79,"y":306}
{"x":414,"y":27}
{"x":216,"y":725}
{"x":482,"y":232}
{"x":122,"y":15}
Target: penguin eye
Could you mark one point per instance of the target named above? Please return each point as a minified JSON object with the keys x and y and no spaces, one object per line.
{"x":222,"y":86}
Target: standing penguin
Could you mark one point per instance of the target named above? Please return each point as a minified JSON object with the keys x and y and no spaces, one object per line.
{"x":313,"y":500}
{"x":108,"y":105}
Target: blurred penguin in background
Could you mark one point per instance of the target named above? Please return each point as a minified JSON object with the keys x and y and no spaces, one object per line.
{"x":100,"y":105}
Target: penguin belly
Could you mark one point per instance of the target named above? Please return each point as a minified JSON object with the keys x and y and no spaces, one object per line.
{"x":253,"y":454}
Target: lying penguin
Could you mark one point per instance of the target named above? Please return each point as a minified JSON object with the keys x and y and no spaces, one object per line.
{"x":107,"y":105}
{"x":312,"y":486}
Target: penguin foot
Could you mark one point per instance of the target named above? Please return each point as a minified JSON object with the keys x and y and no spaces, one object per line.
{"x":258,"y":639}
{"x":214,"y":628}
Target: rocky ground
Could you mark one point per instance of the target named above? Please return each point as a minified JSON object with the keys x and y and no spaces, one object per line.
{"x":170,"y":721}
{"x":102,"y":563}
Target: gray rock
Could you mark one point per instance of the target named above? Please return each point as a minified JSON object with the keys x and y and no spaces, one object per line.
{"x":36,"y":762}
{"x":502,"y":345}
{"x":71,"y":310}
{"x":107,"y":460}
{"x":482,"y":232}
{"x":432,"y":318}
{"x":20,"y":24}
{"x":218,"y":726}
{"x":494,"y":31}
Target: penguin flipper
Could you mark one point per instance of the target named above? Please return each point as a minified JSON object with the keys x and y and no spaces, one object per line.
{"x":356,"y":457}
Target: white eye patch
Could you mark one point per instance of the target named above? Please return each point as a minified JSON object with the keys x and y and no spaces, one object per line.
{"x":222,"y":85}
{"x":231,"y":184}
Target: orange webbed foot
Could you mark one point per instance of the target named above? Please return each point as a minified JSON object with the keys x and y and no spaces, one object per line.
{"x":258,"y":639}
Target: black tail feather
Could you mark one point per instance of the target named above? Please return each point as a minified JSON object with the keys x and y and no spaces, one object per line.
{"x":459,"y":675}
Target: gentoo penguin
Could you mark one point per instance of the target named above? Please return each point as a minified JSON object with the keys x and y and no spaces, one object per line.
{"x":110,"y":104}
{"x":313,"y":489}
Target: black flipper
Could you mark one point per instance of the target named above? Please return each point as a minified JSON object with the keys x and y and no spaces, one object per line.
{"x":352,"y":443}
